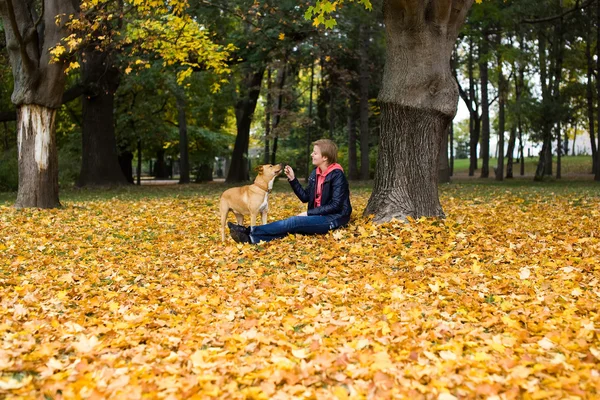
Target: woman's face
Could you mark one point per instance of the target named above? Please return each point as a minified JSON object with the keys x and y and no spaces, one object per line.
{"x":317,"y":158}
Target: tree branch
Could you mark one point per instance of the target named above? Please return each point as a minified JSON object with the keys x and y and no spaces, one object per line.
{"x":458,"y":14}
{"x":27,"y":62}
{"x":555,"y":17}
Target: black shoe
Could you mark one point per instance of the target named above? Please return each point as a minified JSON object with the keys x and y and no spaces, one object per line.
{"x":238,"y":228}
{"x":240,"y":237}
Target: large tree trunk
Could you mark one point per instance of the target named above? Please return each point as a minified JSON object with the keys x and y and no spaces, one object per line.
{"x":244,"y":111}
{"x":99,"y":160}
{"x":38,"y":90}
{"x":184,"y":160}
{"x":485,"y":110}
{"x":364,"y":104}
{"x":418,"y":101}
{"x":38,"y":157}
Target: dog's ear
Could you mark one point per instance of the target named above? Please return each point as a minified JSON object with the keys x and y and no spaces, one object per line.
{"x":259,"y":169}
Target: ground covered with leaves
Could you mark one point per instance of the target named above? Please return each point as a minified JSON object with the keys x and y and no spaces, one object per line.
{"x":131,"y":294}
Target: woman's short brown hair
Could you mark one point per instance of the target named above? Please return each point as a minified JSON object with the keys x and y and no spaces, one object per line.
{"x":328,"y":149}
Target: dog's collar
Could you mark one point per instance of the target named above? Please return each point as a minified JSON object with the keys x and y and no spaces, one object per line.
{"x":264,"y":189}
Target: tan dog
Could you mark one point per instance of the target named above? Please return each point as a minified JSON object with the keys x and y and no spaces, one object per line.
{"x":250,"y":199}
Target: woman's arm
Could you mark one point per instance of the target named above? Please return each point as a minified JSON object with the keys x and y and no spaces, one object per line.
{"x":301,"y":193}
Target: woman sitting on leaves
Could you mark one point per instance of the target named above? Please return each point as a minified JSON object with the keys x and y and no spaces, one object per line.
{"x":327,"y":195}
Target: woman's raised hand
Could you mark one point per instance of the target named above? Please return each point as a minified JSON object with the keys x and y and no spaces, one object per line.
{"x":289,"y":172}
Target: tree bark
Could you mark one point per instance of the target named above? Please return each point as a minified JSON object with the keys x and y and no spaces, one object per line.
{"x":418,"y":101}
{"x":238,"y":170}
{"x":99,"y":159}
{"x":38,"y":157}
{"x":485,"y":109}
{"x":184,"y":159}
{"x":364,"y":103}
{"x":38,"y":88}
{"x":444,"y":165}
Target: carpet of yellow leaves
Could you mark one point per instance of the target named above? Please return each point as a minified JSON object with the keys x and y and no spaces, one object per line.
{"x":138,"y":298}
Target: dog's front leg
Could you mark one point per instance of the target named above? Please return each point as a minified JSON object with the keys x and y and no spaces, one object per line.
{"x":264,"y":217}
{"x":252,"y":219}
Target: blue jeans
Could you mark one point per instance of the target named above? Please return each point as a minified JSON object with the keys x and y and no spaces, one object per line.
{"x":310,"y":225}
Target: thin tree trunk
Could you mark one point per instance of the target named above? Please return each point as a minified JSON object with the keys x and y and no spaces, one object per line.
{"x":574,"y":138}
{"x":509,"y":154}
{"x":352,"y":151}
{"x":238,"y":170}
{"x":558,"y":151}
{"x":521,"y":153}
{"x":331,"y":108}
{"x":597,"y":160}
{"x":184,"y":161}
{"x":485,"y":110}
{"x":519,"y":87}
{"x":590,"y":95}
{"x":501,"y":114}
{"x":558,"y":53}
{"x":546,"y":153}
{"x":310,"y":120}
{"x":139,"y":161}
{"x":267,"y":118}
{"x":5,"y":136}
{"x":418,"y":100}
{"x":474,"y":119}
{"x":364,"y":103}
{"x":281,"y":80}
{"x":452,"y":149}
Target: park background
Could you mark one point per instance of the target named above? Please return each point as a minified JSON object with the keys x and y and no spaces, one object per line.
{"x":126,"y":291}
